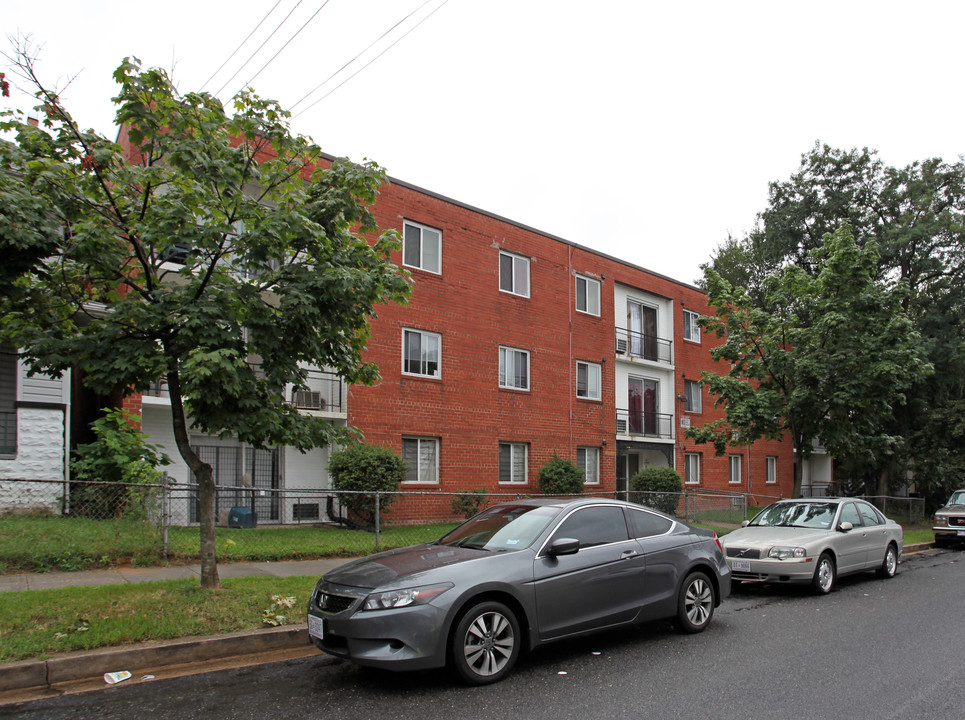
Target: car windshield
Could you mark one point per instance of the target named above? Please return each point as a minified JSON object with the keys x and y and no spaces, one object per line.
{"x":502,"y":528}
{"x":957,"y":498}
{"x":803,"y":514}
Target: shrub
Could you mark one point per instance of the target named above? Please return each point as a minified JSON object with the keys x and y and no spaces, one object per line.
{"x":659,"y":488}
{"x":364,"y":470}
{"x":119,"y":454}
{"x":560,"y":477}
{"x":469,"y":503}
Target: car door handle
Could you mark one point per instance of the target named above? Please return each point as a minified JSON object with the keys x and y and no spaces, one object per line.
{"x":627,"y":554}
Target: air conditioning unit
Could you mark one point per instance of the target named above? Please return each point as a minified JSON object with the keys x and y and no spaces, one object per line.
{"x":621,"y":346}
{"x":309,"y":400}
{"x":621,"y":427}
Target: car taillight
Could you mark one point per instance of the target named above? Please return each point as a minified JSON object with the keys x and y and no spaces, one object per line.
{"x":717,"y":541}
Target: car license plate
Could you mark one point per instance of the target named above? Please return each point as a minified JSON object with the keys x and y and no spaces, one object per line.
{"x":316,"y":627}
{"x":740,"y":565}
{"x":961,"y":533}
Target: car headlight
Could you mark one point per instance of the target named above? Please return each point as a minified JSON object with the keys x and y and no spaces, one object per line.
{"x":405,"y":597}
{"x":941,"y":520}
{"x":786,"y":553}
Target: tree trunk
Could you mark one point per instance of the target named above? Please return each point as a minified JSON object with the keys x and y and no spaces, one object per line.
{"x":884,"y":482}
{"x":798,"y":466}
{"x":206,"y":488}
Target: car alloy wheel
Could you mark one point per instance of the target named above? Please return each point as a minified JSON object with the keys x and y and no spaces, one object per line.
{"x":824,"y":575}
{"x":695,"y":604}
{"x":485,"y":644}
{"x":889,"y":566}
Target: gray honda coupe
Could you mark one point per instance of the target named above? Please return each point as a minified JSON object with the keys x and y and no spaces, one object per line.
{"x":516,"y":576}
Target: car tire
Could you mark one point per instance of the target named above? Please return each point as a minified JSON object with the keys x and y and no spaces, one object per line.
{"x":695,"y":603}
{"x":825,"y":575}
{"x":485,"y":643}
{"x":889,"y":566}
{"x":941,"y":541}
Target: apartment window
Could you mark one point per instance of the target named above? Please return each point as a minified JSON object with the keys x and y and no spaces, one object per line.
{"x":691,"y":328}
{"x":588,"y":380}
{"x":513,"y":458}
{"x":587,"y":295}
{"x":422,"y":247}
{"x":422,"y":457}
{"x":513,"y":368}
{"x":514,"y":274}
{"x":420,"y":353}
{"x":692,"y":468}
{"x":8,"y":398}
{"x":734,"y":473}
{"x":694,"y":401}
{"x":588,"y":458}
{"x":771,"y":471}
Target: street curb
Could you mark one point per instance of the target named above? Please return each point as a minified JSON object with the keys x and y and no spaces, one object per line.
{"x":72,"y":667}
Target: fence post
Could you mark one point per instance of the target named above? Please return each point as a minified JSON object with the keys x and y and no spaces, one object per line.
{"x":165,"y":510}
{"x":378,"y":519}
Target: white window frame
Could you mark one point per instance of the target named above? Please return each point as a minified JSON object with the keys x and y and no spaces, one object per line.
{"x":423,"y":475}
{"x":692,"y":468}
{"x":423,"y":231}
{"x":734,"y":469}
{"x":694,"y":395}
{"x":591,"y":300}
{"x":771,"y":472}
{"x":423,"y":350}
{"x":588,"y":458}
{"x":691,"y":328}
{"x":519,"y":278}
{"x":508,"y":375}
{"x":593,"y":389}
{"x":514,"y":449}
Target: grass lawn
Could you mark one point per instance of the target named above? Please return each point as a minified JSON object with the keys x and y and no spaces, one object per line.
{"x":38,"y":623}
{"x":40,"y":543}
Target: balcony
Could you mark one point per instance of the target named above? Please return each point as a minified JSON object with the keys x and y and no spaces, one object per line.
{"x":639,"y":346}
{"x":322,"y":394}
{"x":638,"y":423}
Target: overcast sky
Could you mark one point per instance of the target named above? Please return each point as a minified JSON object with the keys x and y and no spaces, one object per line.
{"x":645,"y":130}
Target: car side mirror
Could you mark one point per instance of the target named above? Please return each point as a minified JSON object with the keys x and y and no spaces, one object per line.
{"x":845,"y":526}
{"x":745,"y":523}
{"x":564,"y":546}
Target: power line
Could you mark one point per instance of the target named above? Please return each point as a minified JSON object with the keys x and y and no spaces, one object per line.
{"x":369,"y":47}
{"x":260,"y":22}
{"x":260,"y":47}
{"x":272,"y":58}
{"x":370,"y":61}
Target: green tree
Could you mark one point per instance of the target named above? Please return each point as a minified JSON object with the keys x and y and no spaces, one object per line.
{"x":120,"y":454}
{"x":272,"y":275}
{"x":830,"y":358}
{"x":657,"y":487}
{"x":363,"y":470}
{"x":916,"y":216}
{"x":559,"y":476}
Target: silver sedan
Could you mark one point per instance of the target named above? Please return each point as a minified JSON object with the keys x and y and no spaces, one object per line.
{"x":814,"y":541}
{"x":514,"y":577}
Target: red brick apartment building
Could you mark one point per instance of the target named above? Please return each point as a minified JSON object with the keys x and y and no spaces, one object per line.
{"x":515,"y":345}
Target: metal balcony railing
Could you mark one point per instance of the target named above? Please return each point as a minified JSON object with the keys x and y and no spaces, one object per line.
{"x":645,"y":347}
{"x":644,"y":424}
{"x":323,"y":392}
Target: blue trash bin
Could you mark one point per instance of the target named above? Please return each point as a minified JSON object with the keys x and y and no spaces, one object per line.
{"x":242,"y":517}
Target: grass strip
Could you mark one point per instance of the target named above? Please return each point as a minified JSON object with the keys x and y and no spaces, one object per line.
{"x":35,"y":624}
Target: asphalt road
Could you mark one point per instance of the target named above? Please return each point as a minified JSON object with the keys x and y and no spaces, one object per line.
{"x":872,"y":649}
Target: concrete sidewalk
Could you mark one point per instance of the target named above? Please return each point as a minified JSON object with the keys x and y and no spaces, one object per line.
{"x":118,"y":576}
{"x":84,"y":671}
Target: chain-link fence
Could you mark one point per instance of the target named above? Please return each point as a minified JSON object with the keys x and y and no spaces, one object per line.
{"x":77,"y":525}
